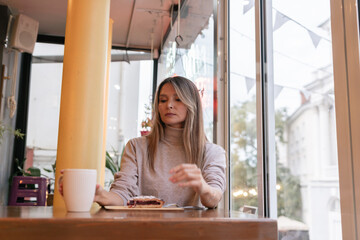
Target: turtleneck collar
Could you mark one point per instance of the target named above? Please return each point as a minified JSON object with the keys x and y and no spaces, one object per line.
{"x":173,"y":135}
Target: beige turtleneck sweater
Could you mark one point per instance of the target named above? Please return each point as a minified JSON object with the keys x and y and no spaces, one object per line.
{"x":135,"y":178}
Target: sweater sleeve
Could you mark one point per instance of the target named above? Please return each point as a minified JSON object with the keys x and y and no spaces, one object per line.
{"x":214,"y":166}
{"x":126,"y":180}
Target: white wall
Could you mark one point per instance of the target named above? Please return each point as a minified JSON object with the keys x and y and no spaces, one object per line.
{"x":44,"y":105}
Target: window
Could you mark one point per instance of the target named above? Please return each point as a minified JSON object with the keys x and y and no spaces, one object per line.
{"x":301,"y":106}
{"x":307,"y":171}
{"x":130,"y":87}
{"x":243,"y":129}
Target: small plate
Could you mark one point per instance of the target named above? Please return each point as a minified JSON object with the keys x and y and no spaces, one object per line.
{"x":153,"y":209}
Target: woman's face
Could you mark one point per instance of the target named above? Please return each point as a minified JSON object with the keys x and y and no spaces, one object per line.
{"x":172,"y":111}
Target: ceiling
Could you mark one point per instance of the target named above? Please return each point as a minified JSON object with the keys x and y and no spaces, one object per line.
{"x":138,"y":24}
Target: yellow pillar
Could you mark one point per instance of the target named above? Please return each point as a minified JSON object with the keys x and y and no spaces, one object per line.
{"x":102,"y":177}
{"x":80,"y":140}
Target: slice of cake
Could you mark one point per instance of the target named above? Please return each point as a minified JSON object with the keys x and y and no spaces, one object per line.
{"x":145,"y":202}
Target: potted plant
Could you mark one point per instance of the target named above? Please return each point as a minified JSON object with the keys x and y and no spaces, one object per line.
{"x":19,"y":170}
{"x":19,"y":165}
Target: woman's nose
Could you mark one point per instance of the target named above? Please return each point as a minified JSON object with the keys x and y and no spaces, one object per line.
{"x":170,"y":104}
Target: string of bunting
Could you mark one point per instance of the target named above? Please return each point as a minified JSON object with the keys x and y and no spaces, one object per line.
{"x":250,"y":83}
{"x":281,"y":19}
{"x":283,"y":54}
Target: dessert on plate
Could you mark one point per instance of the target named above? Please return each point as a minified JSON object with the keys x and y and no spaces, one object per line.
{"x":145,"y":202}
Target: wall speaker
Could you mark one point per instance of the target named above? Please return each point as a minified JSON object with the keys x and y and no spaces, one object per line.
{"x":24,"y":33}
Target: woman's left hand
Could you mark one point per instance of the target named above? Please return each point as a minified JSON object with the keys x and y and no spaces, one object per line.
{"x":188,"y":175}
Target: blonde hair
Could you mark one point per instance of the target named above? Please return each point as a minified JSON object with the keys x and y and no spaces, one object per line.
{"x":194,"y":137}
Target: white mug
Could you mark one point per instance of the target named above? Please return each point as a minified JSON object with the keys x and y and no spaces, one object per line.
{"x":79,"y":189}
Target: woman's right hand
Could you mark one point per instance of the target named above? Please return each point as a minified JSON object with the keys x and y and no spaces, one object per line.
{"x":105,"y":198}
{"x":100,"y":195}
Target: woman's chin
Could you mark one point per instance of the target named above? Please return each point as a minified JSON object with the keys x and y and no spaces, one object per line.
{"x":174,"y":125}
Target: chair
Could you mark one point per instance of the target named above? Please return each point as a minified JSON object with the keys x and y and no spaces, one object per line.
{"x":25,"y":189}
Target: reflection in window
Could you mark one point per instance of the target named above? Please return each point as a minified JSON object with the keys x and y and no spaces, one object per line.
{"x":193,"y":55}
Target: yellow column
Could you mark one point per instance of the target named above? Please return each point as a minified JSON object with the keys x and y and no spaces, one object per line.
{"x":102,"y":177}
{"x":80,"y":140}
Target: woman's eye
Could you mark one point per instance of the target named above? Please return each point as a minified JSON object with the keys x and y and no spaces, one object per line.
{"x":162,"y":100}
{"x":178,"y":100}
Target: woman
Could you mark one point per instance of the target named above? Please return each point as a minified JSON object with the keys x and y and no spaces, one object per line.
{"x":174,"y":162}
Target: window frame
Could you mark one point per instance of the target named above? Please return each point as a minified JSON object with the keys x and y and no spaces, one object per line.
{"x":345,"y":35}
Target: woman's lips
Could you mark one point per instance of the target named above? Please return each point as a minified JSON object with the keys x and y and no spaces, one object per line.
{"x":170,"y":114}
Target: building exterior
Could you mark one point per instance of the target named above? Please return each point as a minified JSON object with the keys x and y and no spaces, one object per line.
{"x":312,"y":156}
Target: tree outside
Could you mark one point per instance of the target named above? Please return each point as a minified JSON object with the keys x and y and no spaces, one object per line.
{"x":244,"y":163}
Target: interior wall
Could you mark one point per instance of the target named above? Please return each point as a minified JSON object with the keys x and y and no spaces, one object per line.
{"x":4,"y":17}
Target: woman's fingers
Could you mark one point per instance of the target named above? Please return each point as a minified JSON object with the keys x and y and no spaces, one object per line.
{"x":98,"y":191}
{"x":186,"y":175}
{"x":60,"y":183}
{"x":181,"y":167}
{"x":61,"y":190}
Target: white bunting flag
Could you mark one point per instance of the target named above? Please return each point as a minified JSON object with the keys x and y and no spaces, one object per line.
{"x":305,"y":96}
{"x":247,"y":7}
{"x":280,"y":19}
{"x":277,"y":90}
{"x":250,"y":82}
{"x":314,"y":38}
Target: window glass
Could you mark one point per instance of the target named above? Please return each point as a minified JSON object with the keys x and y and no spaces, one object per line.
{"x":305,"y":128}
{"x":193,"y":56}
{"x":129,"y":103}
{"x":305,"y":134}
{"x":243,"y":129}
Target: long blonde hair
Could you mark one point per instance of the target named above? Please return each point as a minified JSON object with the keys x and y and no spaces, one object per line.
{"x":194,"y":137}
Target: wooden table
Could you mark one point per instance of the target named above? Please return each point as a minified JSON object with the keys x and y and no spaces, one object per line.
{"x":48,"y":223}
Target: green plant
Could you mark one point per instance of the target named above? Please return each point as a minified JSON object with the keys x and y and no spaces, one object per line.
{"x":111,"y":164}
{"x":53,"y":168}
{"x":31,"y":171}
{"x":4,"y":128}
{"x":244,"y":162}
{"x":51,"y":180}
